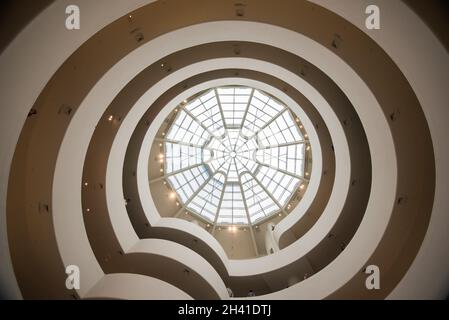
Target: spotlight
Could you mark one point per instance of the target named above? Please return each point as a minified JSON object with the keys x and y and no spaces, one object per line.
{"x":111,"y":118}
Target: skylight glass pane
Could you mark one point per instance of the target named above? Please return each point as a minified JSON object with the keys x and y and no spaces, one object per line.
{"x":286,"y":158}
{"x":281,"y":130}
{"x":186,"y":182}
{"x":234,"y":103}
{"x":232,"y":210}
{"x":279,"y":184}
{"x":187,"y":130}
{"x":261,"y":111}
{"x":207,"y":111}
{"x":206,"y":202}
{"x":181,"y":156}
{"x":258,"y":201}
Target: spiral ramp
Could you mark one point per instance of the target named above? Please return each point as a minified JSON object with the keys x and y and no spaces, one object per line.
{"x":82,"y":109}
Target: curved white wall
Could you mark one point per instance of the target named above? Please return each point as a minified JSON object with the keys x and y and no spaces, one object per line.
{"x":30,"y":52}
{"x":134,"y":287}
{"x":403,"y":36}
{"x":379,"y":138}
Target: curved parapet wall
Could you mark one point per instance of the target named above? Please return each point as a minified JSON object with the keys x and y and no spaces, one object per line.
{"x":76,"y":150}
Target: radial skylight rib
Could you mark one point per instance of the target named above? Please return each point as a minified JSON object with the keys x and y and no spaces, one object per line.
{"x":206,"y":202}
{"x":287,"y":158}
{"x":232,"y":210}
{"x":207,"y":111}
{"x":187,"y":182}
{"x":282,"y":130}
{"x":234,"y":102}
{"x":186,"y":129}
{"x":259,"y":203}
{"x":279,"y":184}
{"x":181,"y":156}
{"x":260,"y":111}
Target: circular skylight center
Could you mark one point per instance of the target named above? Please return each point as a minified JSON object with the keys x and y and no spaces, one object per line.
{"x":235,"y":156}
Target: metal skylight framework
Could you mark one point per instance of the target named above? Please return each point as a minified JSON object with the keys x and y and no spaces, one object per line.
{"x":234,"y":155}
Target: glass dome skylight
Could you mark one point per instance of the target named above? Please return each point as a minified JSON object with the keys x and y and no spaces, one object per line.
{"x":234,"y":155}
